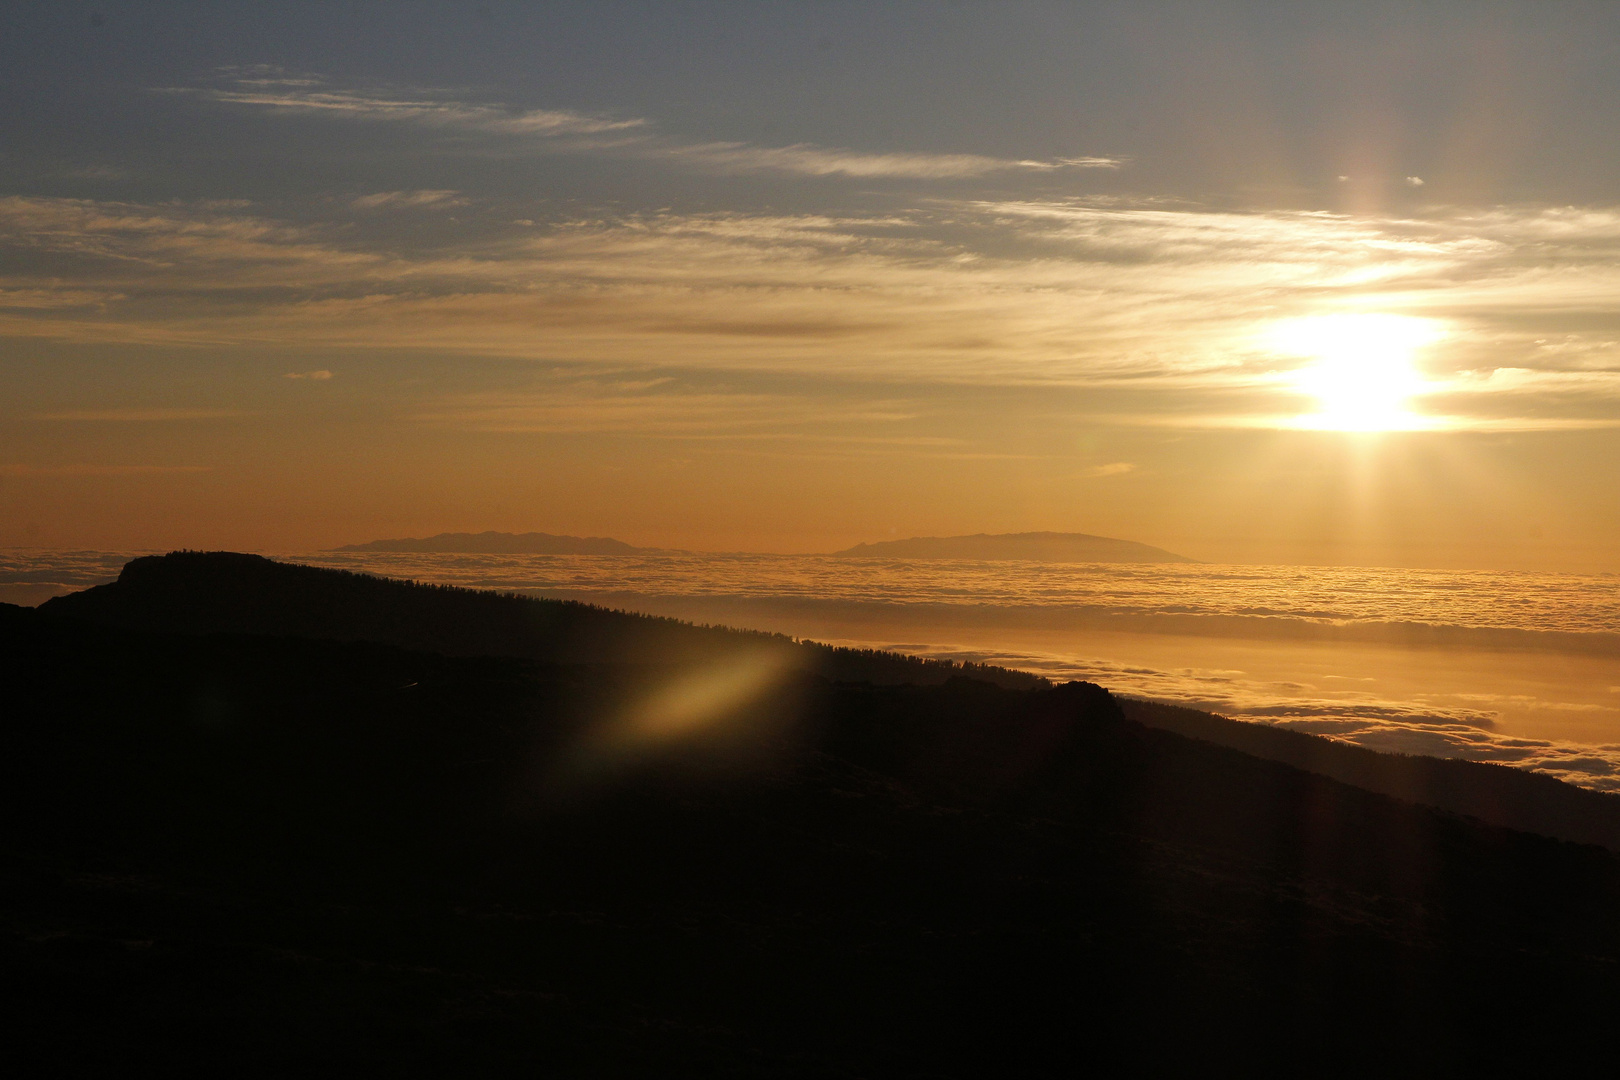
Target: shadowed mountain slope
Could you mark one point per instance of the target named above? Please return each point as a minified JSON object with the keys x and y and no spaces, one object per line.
{"x":277,"y":854}
{"x":1034,"y":547}
{"x":290,"y":854}
{"x":213,"y":592}
{"x":499,"y":543}
{"x":1497,"y":794}
{"x":208,"y":592}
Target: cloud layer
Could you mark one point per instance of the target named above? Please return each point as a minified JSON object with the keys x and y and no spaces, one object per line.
{"x":1161,"y":310}
{"x":1166,"y":306}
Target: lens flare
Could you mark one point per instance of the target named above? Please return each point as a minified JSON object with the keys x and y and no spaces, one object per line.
{"x":698,"y":698}
{"x":1361,"y":368}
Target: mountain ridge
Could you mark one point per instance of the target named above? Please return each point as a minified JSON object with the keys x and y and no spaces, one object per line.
{"x":231,"y":592}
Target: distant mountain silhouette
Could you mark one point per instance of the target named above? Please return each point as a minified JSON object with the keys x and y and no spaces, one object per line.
{"x":1033,"y":547}
{"x":499,"y":543}
{"x":229,"y":840}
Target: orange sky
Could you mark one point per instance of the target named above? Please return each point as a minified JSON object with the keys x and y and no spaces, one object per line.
{"x":792,"y":279}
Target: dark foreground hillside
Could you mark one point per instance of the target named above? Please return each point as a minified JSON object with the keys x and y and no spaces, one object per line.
{"x":209,"y":592}
{"x":1495,"y":794}
{"x":274,"y":855}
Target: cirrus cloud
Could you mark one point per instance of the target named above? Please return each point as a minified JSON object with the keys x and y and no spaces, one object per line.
{"x":563,"y":130}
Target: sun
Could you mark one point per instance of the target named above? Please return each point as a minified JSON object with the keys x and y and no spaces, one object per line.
{"x":1361,"y":368}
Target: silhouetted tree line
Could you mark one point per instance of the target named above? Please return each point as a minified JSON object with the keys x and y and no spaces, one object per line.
{"x":207,"y":592}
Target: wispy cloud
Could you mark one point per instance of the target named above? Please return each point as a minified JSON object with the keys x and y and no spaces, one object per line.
{"x":1081,"y":163}
{"x":278,"y":91}
{"x":809,"y":160}
{"x":162,"y":238}
{"x":274,"y":89}
{"x":408,"y":200}
{"x":316,"y":376}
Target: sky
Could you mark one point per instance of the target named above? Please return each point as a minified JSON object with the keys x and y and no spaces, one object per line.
{"x":1287,"y":283}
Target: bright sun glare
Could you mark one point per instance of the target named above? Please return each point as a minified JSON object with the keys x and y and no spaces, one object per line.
{"x":1361,"y":368}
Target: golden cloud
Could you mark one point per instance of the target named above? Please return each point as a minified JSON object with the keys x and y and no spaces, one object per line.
{"x":1144,"y":298}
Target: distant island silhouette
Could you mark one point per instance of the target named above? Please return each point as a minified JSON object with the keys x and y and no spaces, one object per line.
{"x":1031,"y":547}
{"x":499,"y":543}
